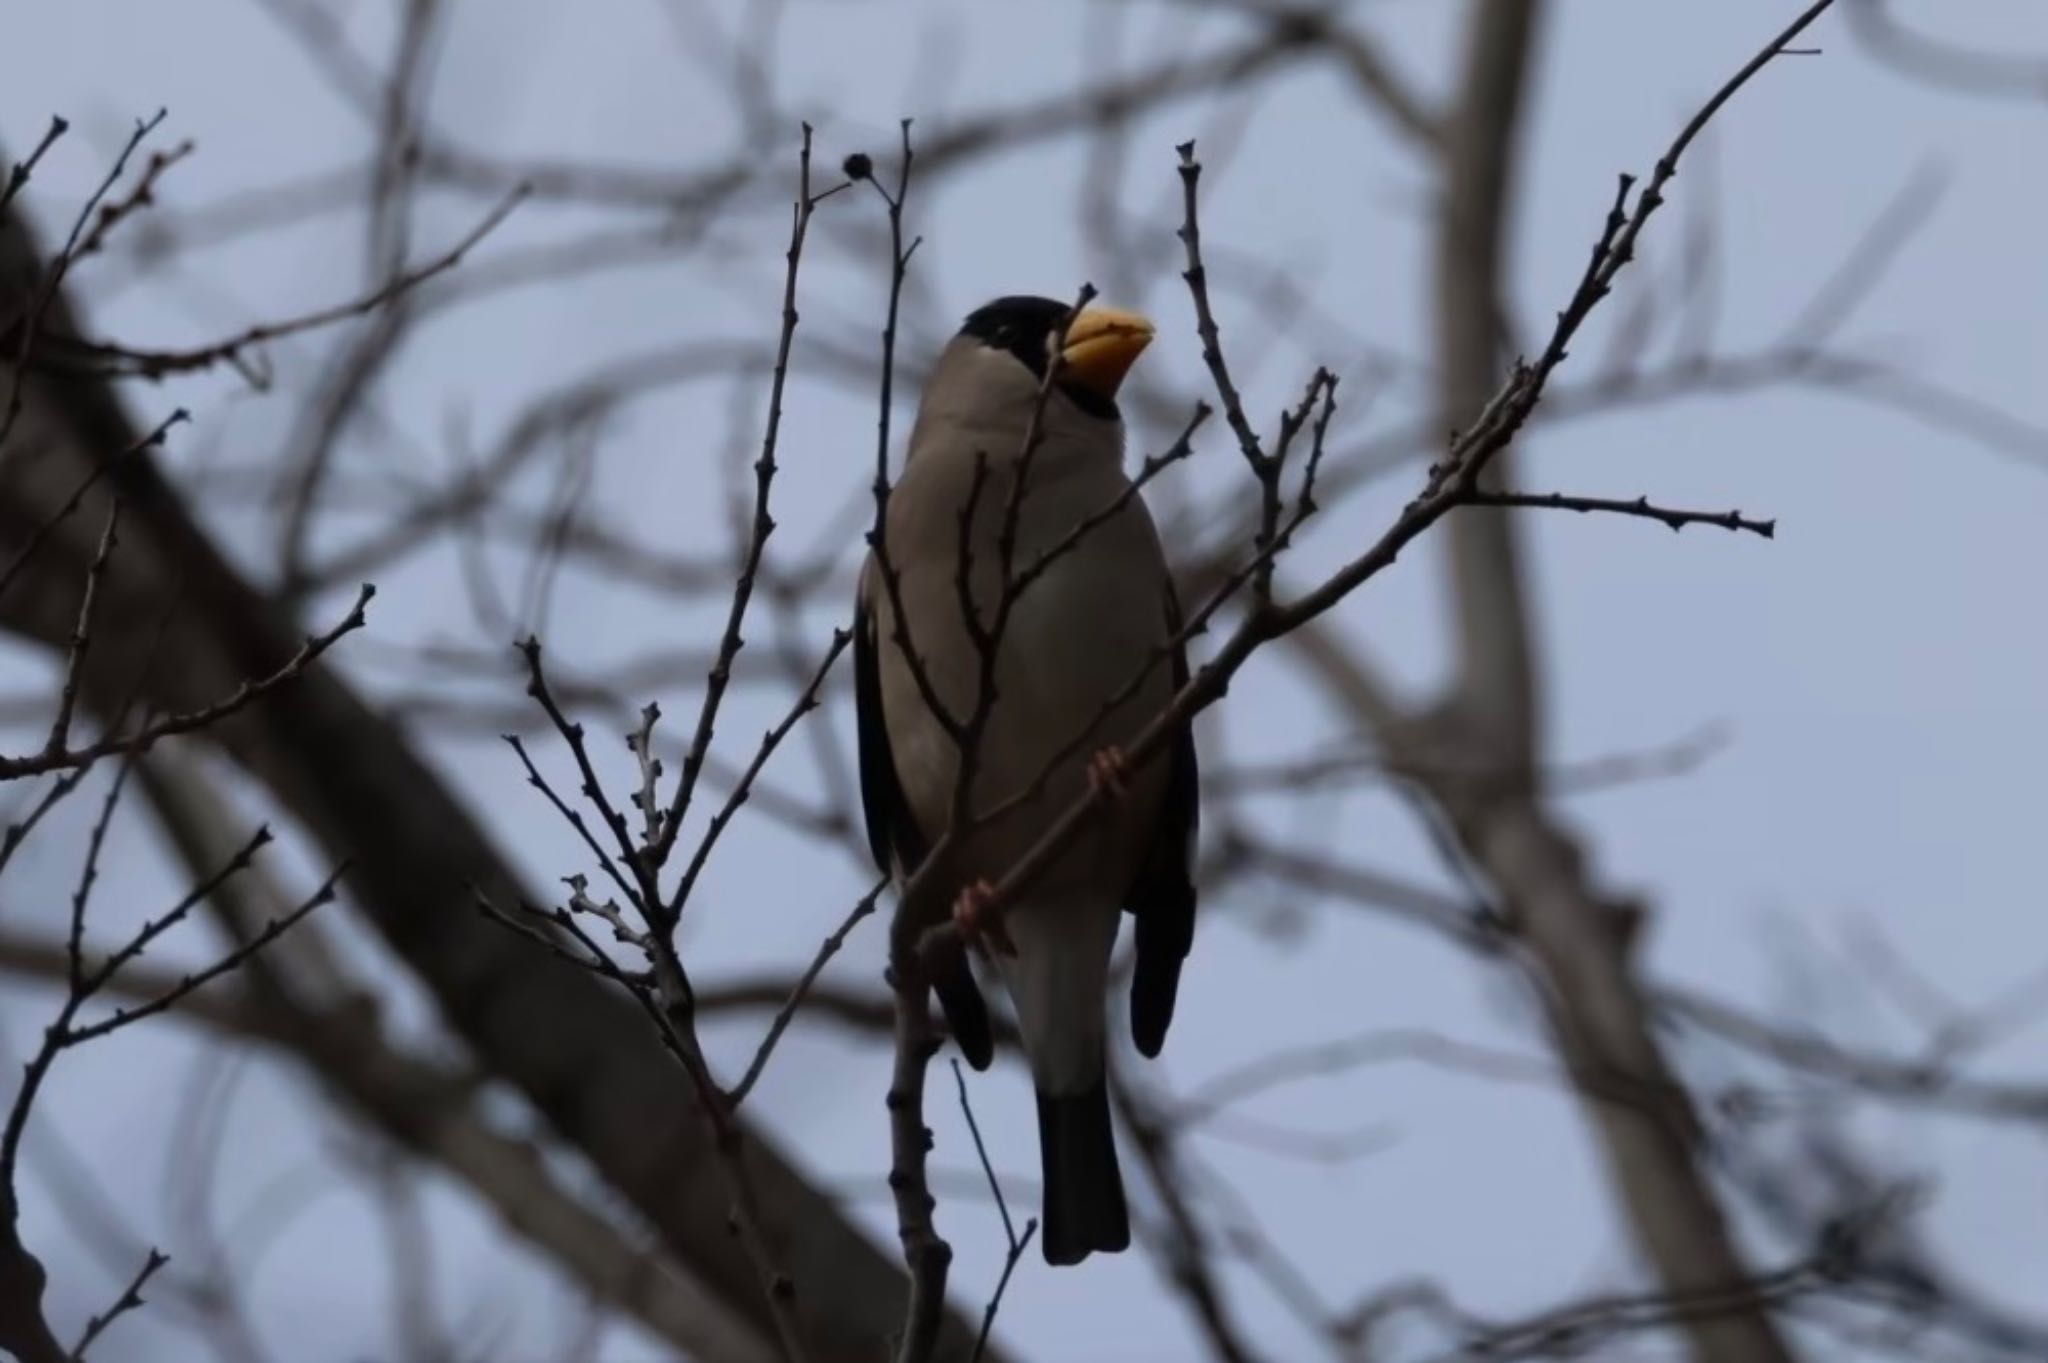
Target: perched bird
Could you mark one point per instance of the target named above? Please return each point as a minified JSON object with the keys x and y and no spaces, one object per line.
{"x":1085,"y":616}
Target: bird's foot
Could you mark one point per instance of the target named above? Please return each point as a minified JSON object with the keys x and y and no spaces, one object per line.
{"x":1109,"y":773}
{"x":976,"y":924}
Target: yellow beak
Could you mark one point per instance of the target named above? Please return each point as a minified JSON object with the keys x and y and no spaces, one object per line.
{"x":1102,"y":345}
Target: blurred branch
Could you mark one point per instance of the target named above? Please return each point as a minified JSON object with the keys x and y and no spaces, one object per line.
{"x":70,"y":352}
{"x":1182,"y":1244}
{"x":55,"y":756}
{"x":957,"y":144}
{"x":1359,"y":762}
{"x":1381,"y":1046}
{"x":1380,"y":84}
{"x":1601,"y":1320}
{"x":1966,"y":70}
{"x":1497,"y":691}
{"x":305,"y":1005}
{"x":1936,"y":1082}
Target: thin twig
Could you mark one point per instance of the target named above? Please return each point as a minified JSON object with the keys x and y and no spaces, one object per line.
{"x":18,"y":175}
{"x":129,"y":1300}
{"x":35,"y":542}
{"x":156,"y":364}
{"x":14,"y":768}
{"x":593,"y":959}
{"x":572,"y":735}
{"x":199,"y":979}
{"x":26,"y":330}
{"x":1151,"y":467}
{"x":763,"y":524}
{"x":878,"y":531}
{"x":801,"y":991}
{"x":1015,"y":1244}
{"x":1673,"y":517}
{"x":81,"y":634}
{"x":807,"y":700}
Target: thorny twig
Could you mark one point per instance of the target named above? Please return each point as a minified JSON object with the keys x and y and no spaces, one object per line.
{"x":1149,"y":468}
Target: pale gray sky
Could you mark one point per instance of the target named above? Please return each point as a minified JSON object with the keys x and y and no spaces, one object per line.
{"x":1876,"y":667}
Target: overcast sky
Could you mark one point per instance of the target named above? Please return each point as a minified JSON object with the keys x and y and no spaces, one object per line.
{"x":1878,"y":669}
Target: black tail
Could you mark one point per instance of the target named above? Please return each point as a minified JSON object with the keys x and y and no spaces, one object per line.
{"x":966,"y":1014}
{"x":1084,"y":1193}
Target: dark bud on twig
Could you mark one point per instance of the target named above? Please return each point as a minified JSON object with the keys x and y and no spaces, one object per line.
{"x":859,"y":166}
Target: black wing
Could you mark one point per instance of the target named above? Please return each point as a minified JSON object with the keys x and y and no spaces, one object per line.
{"x":1163,"y":899}
{"x":898,"y":844}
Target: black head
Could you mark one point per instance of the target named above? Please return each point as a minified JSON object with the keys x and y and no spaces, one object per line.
{"x":1023,"y":325}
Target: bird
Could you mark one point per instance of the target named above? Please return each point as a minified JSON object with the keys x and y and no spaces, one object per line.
{"x":996,"y":489}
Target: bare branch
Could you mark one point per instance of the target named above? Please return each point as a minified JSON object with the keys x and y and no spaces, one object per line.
{"x":927,"y":1256}
{"x":1672,"y":517}
{"x":807,"y":700}
{"x":36,"y":764}
{"x":129,"y":1300}
{"x":18,"y":174}
{"x":23,"y":333}
{"x":763,"y":525}
{"x":801,"y":991}
{"x":125,"y":359}
{"x":1016,"y":1244}
{"x":35,"y":542}
{"x":199,"y":979}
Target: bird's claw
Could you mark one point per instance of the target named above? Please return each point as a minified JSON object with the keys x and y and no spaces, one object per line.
{"x":1109,"y":773}
{"x":974,"y":921}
